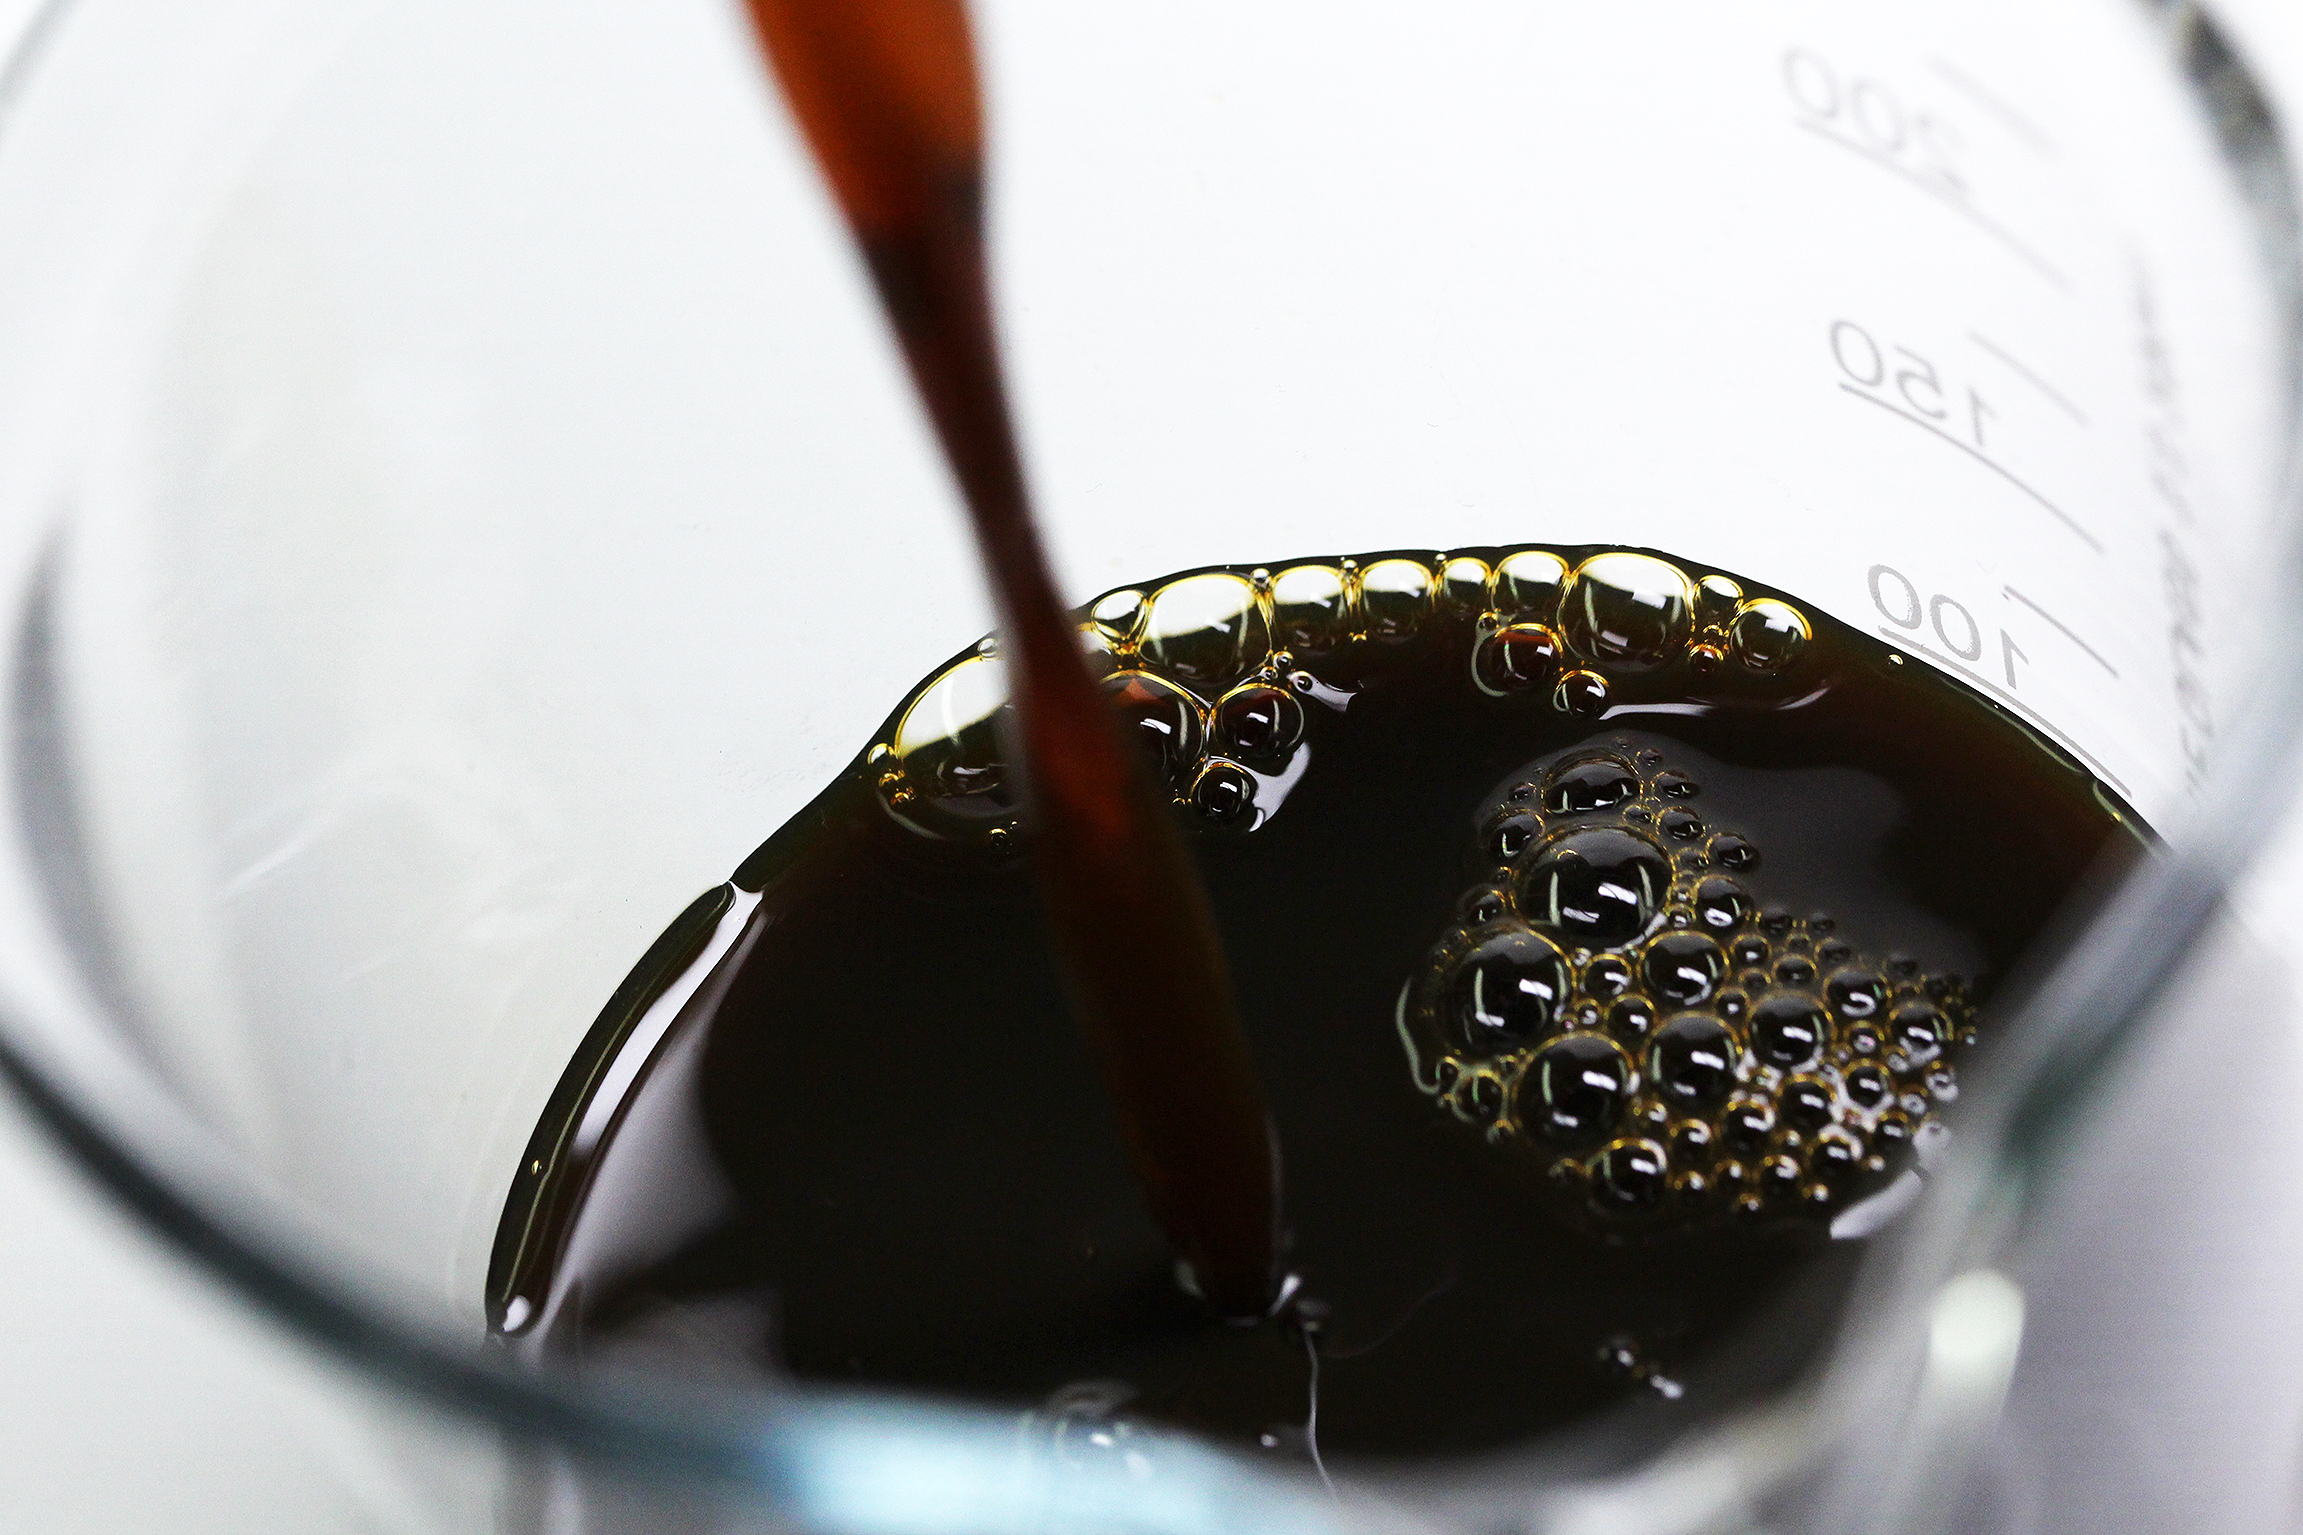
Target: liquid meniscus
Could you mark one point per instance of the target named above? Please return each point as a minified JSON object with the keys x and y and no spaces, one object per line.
{"x":1612,"y":935}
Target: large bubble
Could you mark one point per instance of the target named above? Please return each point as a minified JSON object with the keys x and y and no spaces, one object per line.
{"x":1599,"y":886}
{"x":1204,"y":630}
{"x":1308,"y":617}
{"x":1505,"y":992}
{"x":948,"y":742}
{"x":1574,"y":1090}
{"x":1628,"y":611}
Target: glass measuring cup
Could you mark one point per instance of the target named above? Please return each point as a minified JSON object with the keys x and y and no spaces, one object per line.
{"x":349,"y":420}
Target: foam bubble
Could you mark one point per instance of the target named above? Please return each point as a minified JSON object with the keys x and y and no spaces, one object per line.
{"x":1206,"y":630}
{"x":1309,"y":615}
{"x":948,"y":742}
{"x":1597,"y":885}
{"x":1768,"y":635}
{"x":1630,"y":611}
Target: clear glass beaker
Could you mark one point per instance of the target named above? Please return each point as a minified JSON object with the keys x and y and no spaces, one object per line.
{"x":464,"y":498}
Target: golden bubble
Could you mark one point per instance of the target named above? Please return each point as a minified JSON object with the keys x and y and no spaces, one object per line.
{"x":1205,"y":630}
{"x":1629,"y":611}
{"x":1528,"y":584}
{"x":1119,"y":613}
{"x":948,"y":741}
{"x":1307,"y":609}
{"x":1768,"y":635}
{"x":1394,"y":597}
{"x":1463,"y":584}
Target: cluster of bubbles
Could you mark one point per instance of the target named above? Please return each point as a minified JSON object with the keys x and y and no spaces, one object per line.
{"x":1221,"y":671}
{"x":1614,"y":1004}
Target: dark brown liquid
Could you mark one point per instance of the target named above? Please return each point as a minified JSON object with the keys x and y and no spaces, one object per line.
{"x":1607,"y":932}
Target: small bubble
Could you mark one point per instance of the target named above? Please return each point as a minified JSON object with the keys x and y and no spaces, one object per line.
{"x":1942,"y":1084}
{"x":1504,"y":992}
{"x":1820,"y":922}
{"x":1479,"y":1098}
{"x":1866,"y":1087}
{"x":1118,"y":613}
{"x":1720,"y":902}
{"x":1626,"y":610}
{"x":1676,"y":786}
{"x":1732,"y":852}
{"x":1854,"y":994}
{"x":1394,"y":598}
{"x":1902,"y":967}
{"x":1582,"y":694}
{"x":1574,"y":1089}
{"x":1482,"y":906}
{"x":1592,"y":783}
{"x":1732,"y":1005}
{"x":1684,"y":969}
{"x":1519,"y":658}
{"x":1607,"y":977}
{"x":1806,"y":1103}
{"x":1528,"y":584}
{"x":1750,"y":950}
{"x":1918,"y":1029}
{"x":1513,"y":835}
{"x":1780,"y":1176}
{"x":1521,"y":792}
{"x":1892,"y":1133}
{"x":1597,"y":884}
{"x":1308,"y":605}
{"x":1836,"y":1155}
{"x":1705,"y":659}
{"x":1259,"y":722}
{"x":1692,"y":1141}
{"x":1775,"y":921}
{"x":1629,"y":1177}
{"x":1914,"y":1104}
{"x":1692,"y":1060}
{"x":1832,"y":953}
{"x":1794,"y":970}
{"x":1631,"y":1018}
{"x":1680,"y":825}
{"x":1224,"y":795}
{"x":1863,"y":1041}
{"x":1787,"y":1031}
{"x":1768,"y":635}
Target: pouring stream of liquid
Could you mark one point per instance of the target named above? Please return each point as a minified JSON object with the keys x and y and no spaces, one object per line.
{"x":886,"y":93}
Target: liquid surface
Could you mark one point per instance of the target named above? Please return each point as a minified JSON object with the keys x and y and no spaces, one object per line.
{"x":1610,"y":933}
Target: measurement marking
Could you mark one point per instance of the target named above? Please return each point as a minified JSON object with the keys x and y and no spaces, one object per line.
{"x":2082,"y":753}
{"x":1944,"y":195}
{"x":2036,"y":382}
{"x":2065,"y":630}
{"x":1990,"y":101}
{"x":1980,"y":457}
